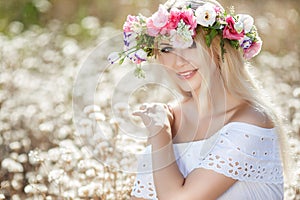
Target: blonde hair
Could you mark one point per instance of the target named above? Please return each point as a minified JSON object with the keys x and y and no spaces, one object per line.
{"x":236,"y":78}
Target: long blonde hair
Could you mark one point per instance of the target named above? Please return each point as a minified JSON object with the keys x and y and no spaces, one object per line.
{"x":237,"y":79}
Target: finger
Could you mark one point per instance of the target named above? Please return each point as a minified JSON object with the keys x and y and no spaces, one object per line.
{"x":144,"y":106}
{"x":137,"y":113}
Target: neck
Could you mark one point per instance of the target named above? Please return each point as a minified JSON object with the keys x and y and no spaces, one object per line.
{"x":220,"y":100}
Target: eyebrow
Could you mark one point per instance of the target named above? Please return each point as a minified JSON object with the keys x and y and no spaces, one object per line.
{"x":166,"y":44}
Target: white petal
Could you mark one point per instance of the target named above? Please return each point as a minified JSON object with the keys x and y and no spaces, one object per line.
{"x":248,"y":22}
{"x":113,"y":57}
{"x":206,"y":15}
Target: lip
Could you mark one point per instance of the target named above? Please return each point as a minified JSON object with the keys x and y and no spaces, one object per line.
{"x":186,"y":74}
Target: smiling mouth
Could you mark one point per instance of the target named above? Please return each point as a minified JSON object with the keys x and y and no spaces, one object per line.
{"x":186,"y":74}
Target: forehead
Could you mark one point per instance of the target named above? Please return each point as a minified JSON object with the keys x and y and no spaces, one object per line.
{"x":164,"y":42}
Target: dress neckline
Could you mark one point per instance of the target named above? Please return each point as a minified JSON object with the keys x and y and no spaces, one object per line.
{"x":242,"y":124}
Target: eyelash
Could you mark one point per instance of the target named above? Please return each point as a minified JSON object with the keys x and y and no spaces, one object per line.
{"x":168,"y":49}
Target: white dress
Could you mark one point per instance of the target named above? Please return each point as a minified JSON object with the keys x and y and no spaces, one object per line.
{"x":245,"y":152}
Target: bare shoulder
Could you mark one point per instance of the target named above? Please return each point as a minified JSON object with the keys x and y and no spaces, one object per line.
{"x":251,"y":115}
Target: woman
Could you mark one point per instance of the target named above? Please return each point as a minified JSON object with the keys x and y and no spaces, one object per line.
{"x":221,"y":141}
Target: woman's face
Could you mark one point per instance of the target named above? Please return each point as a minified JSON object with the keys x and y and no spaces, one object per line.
{"x":182,"y":65}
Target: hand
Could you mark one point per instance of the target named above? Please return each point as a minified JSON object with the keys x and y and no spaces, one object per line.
{"x":156,"y":117}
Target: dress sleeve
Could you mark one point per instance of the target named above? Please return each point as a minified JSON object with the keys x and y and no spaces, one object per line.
{"x":144,"y":184}
{"x":248,"y":153}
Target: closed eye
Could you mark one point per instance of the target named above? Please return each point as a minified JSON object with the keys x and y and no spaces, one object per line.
{"x":166,"y":49}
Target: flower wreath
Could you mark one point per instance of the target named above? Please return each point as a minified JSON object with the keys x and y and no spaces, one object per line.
{"x":179,"y":26}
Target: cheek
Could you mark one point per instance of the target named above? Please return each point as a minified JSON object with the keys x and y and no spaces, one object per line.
{"x":160,"y":59}
{"x":165,"y":60}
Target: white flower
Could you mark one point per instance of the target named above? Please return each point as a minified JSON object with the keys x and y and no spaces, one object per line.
{"x":206,"y":15}
{"x":113,"y":57}
{"x":182,"y":37}
{"x":56,"y":175}
{"x":245,"y":22}
{"x":140,"y":25}
{"x":161,"y":17}
{"x":131,"y":55}
{"x":92,"y":108}
{"x":98,"y":116}
{"x":129,"y":40}
{"x":141,"y":55}
{"x":132,"y":44}
{"x":11,"y":165}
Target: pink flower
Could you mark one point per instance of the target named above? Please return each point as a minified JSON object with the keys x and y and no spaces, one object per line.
{"x":253,"y":50}
{"x":229,"y":32}
{"x":175,"y":16}
{"x":189,"y":18}
{"x":218,"y":9}
{"x":161,"y":17}
{"x":127,"y":27}
{"x":152,"y":30}
{"x":157,"y":21}
{"x":173,"y":21}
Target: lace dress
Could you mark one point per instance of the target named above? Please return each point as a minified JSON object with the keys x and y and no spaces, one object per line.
{"x":245,"y":152}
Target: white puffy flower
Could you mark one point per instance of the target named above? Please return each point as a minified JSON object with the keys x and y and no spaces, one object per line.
{"x":206,"y":14}
{"x":56,"y":175}
{"x":11,"y":165}
{"x":245,"y":22}
{"x":91,"y":108}
{"x":98,"y":116}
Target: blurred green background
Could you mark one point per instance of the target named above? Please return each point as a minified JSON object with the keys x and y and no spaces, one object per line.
{"x":43,"y":44}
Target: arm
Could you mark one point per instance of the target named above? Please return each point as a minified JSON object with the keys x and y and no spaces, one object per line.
{"x":169,"y":182}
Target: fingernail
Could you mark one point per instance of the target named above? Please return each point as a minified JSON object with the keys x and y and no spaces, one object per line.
{"x":135,"y":113}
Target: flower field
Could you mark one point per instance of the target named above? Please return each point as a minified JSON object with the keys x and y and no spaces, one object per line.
{"x":64,"y":110}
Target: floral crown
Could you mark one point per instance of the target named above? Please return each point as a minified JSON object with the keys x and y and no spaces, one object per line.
{"x":179,"y":27}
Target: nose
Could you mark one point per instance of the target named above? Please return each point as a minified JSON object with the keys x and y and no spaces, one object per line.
{"x":180,"y":59}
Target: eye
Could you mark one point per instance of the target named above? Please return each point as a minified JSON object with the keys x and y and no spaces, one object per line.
{"x":166,"y":49}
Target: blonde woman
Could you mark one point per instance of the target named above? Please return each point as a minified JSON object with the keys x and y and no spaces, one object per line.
{"x":222,"y":140}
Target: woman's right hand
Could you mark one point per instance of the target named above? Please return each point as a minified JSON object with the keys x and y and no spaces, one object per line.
{"x":156,"y":117}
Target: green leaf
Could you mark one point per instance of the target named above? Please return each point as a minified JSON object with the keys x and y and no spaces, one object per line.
{"x":234,"y":43}
{"x":121,"y":60}
{"x":139,"y":72}
{"x":209,"y":37}
{"x":30,"y":14}
{"x":223,"y":50}
{"x":217,"y":25}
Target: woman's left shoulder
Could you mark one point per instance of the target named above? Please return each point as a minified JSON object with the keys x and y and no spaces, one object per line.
{"x":251,"y":115}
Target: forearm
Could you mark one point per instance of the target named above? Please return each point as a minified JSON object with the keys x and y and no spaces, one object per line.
{"x":167,"y":177}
